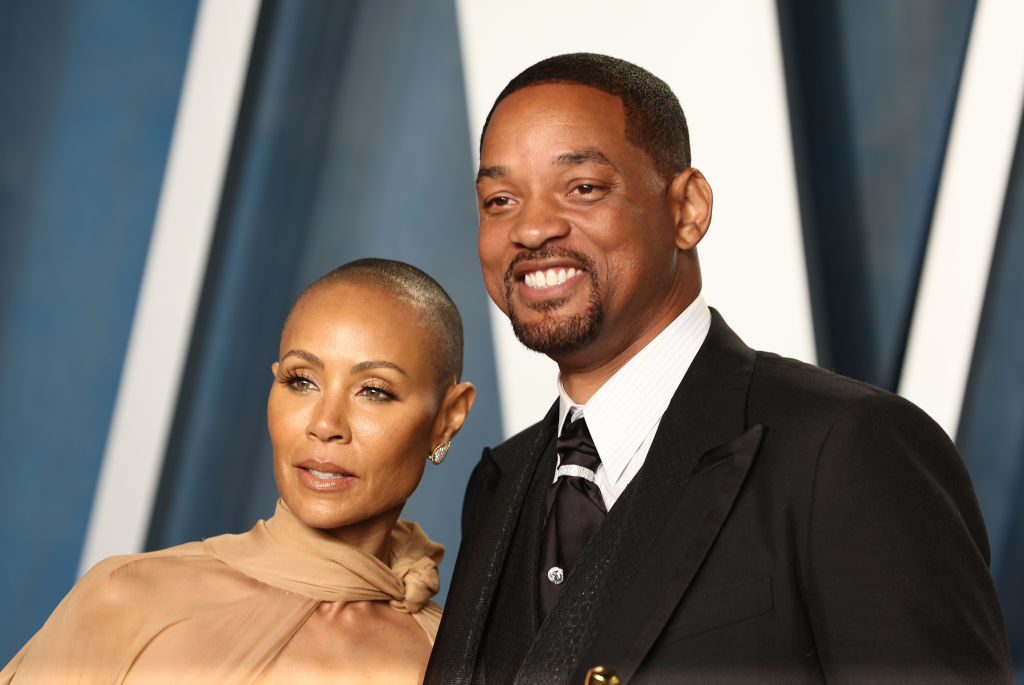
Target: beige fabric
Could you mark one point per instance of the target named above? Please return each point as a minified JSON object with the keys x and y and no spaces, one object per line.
{"x":218,"y":611}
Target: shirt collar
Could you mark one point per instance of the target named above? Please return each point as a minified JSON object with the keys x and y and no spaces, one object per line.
{"x":624,"y":410}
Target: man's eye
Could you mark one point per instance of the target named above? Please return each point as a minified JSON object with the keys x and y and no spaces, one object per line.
{"x":498,"y":202}
{"x":588,"y":191}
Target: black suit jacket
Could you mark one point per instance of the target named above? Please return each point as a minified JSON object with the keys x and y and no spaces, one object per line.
{"x":789,"y":525}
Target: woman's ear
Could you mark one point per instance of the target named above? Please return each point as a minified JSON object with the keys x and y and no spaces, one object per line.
{"x":455,"y":406}
{"x":691,"y":197}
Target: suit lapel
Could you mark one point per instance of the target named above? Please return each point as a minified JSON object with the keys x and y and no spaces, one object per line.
{"x":677,"y":503}
{"x":488,"y":550}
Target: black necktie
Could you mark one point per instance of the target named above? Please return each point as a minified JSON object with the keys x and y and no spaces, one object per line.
{"x":575,"y":509}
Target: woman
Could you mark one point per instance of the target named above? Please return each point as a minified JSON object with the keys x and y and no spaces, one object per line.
{"x":333,"y":588}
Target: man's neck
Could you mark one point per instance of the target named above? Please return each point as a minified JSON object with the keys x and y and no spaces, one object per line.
{"x":581,"y":380}
{"x":582,"y":373}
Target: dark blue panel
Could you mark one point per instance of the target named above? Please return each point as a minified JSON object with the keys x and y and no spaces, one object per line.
{"x":355,"y":143}
{"x":991,"y":434}
{"x":89,"y":96}
{"x":872,"y":85}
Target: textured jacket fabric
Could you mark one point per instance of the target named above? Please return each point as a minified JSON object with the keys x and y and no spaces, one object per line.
{"x":788,"y":526}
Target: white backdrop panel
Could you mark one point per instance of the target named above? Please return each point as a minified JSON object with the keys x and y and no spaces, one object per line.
{"x":724,"y":62}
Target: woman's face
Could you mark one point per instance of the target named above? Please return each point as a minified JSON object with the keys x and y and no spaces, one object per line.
{"x":354,"y":410}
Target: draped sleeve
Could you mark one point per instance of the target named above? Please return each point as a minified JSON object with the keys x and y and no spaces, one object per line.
{"x":218,"y":611}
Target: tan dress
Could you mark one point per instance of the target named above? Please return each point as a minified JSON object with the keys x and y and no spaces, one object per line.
{"x":218,"y":611}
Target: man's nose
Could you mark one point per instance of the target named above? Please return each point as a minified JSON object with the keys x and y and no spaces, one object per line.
{"x":329,"y":420}
{"x":537,"y":223}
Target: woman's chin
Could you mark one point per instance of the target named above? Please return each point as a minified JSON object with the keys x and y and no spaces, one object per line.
{"x":320,"y":514}
{"x":337,"y":519}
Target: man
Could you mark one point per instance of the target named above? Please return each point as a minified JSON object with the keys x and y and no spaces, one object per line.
{"x":725,"y":515}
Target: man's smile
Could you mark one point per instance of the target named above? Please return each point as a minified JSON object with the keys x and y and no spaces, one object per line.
{"x":550,"y":277}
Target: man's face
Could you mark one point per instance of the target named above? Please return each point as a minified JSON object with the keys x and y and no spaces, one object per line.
{"x":577,"y":235}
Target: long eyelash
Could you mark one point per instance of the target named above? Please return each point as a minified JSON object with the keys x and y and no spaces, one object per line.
{"x":381,"y":387}
{"x":290,"y":376}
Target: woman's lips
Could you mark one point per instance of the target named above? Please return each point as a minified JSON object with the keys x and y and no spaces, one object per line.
{"x":323,"y":476}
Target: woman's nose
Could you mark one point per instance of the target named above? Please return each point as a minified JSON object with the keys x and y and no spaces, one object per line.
{"x":328,"y":420}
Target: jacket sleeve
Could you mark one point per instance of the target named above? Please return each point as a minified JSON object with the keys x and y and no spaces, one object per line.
{"x":451,"y":660}
{"x":479,"y":492}
{"x":896,"y":571}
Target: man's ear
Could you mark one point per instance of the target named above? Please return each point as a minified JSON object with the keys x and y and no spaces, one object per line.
{"x":692,"y":199}
{"x":455,"y":406}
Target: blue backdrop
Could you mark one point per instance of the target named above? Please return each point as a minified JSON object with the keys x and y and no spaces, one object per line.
{"x":353,"y":141}
{"x":89,"y":97}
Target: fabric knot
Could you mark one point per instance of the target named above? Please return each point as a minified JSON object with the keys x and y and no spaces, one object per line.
{"x":575,"y":445}
{"x":414,"y":560}
{"x":420,"y":581}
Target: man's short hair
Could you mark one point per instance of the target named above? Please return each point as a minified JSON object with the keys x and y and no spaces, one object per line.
{"x":418,"y":290}
{"x":654,"y":119}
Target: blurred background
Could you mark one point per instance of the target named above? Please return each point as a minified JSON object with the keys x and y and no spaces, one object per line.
{"x":173,"y":173}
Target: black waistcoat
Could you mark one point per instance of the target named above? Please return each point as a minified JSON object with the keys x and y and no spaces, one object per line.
{"x":513,"y":647}
{"x":512,"y":624}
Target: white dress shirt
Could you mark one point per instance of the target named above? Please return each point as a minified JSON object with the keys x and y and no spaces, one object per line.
{"x":624,"y":414}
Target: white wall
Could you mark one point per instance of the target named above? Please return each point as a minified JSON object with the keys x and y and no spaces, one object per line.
{"x":724,"y":62}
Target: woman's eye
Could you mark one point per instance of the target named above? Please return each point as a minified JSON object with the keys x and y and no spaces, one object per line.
{"x":376,"y":394}
{"x":298,"y":383}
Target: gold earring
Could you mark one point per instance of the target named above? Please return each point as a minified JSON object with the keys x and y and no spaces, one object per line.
{"x":440,"y":452}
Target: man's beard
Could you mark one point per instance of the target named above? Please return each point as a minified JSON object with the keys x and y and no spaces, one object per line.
{"x":553,"y":334}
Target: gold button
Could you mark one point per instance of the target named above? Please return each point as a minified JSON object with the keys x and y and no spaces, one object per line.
{"x":602,"y":675}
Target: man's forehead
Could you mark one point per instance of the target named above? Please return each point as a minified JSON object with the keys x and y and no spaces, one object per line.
{"x":583,"y":120}
{"x":538,"y":104}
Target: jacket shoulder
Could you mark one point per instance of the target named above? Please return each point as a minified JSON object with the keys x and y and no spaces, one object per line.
{"x":783,"y":385}
{"x":523,"y":440}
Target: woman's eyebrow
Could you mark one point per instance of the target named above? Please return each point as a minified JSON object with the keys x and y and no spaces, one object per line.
{"x":376,"y":364}
{"x":302,"y":354}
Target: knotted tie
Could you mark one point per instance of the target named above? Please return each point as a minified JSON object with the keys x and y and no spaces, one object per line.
{"x":575,"y":509}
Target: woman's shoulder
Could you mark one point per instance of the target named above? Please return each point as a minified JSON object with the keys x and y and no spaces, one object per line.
{"x":127,"y":596}
{"x":132,"y":568}
{"x":127,"y":580}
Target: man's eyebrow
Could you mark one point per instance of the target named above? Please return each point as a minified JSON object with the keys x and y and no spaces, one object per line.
{"x":302,"y":354}
{"x":564,"y":159}
{"x":491,"y":172}
{"x":376,"y":364}
{"x":583,"y":157}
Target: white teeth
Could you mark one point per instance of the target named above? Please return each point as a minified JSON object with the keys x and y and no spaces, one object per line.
{"x":546,"y":279}
{"x":326,"y":474}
